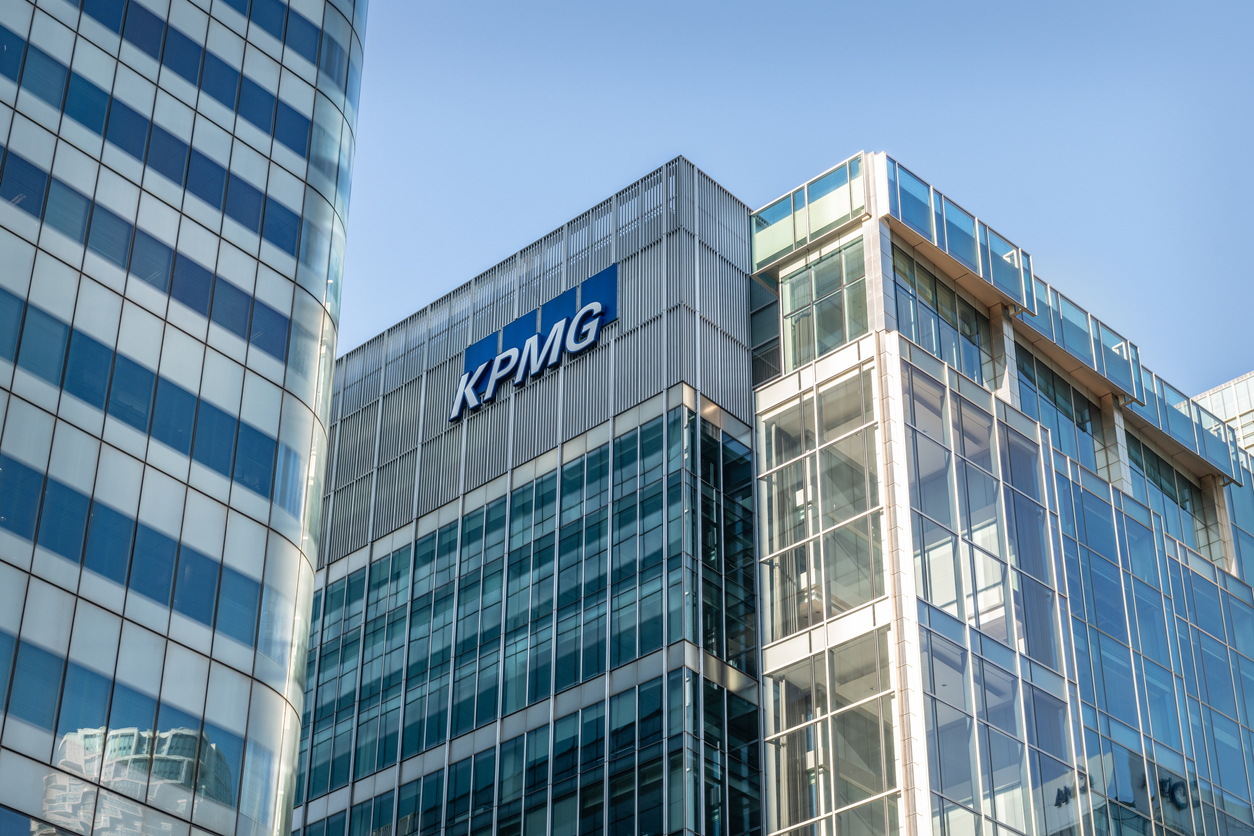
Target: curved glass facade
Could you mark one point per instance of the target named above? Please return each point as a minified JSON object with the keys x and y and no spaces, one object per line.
{"x":174,"y":184}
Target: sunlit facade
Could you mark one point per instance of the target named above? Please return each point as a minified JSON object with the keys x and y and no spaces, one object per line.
{"x":174,"y":184}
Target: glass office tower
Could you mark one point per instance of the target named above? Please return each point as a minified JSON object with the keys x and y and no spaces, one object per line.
{"x":1232,"y":402}
{"x":830,"y":519}
{"x":173,"y":189}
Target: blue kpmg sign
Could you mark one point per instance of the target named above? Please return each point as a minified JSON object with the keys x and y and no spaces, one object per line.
{"x":567,"y":324}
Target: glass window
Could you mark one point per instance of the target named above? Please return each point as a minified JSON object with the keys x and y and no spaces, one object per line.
{"x":256,"y":104}
{"x":788,"y":432}
{"x":282,"y":226}
{"x":109,"y":535}
{"x":174,"y":413}
{"x":23,"y":184}
{"x":11,"y":49}
{"x":19,"y":497}
{"x":853,"y":565}
{"x":152,"y":565}
{"x":87,"y":372}
{"x":63,"y":521}
{"x":269,"y":330}
{"x":238,"y":601}
{"x":86,"y":103}
{"x":243,"y":203}
{"x":191,"y":284}
{"x":127,"y":130}
{"x":110,"y":236}
{"x":220,"y":80}
{"x":151,"y":260}
{"x":36,"y":683}
{"x":291,"y":127}
{"x":230,"y":308}
{"x":10,"y":324}
{"x":302,"y":36}
{"x":144,"y":29}
{"x":182,"y":55}
{"x":84,"y":701}
{"x":215,"y":438}
{"x":167,"y":154}
{"x":130,"y":397}
{"x":960,"y":235}
{"x":43,"y":345}
{"x":67,"y":211}
{"x":206,"y":179}
{"x":196,"y":586}
{"x":916,"y":202}
{"x":254,"y":459}
{"x":829,"y":201}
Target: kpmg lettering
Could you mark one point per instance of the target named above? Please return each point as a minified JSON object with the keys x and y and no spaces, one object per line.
{"x":535,"y":342}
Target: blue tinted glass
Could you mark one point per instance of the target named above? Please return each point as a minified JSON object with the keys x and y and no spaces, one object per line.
{"x":44,"y":76}
{"x":130,"y":397}
{"x":269,"y":330}
{"x":230,"y":308}
{"x":333,"y":61}
{"x":131,"y":709}
{"x":10,"y":324}
{"x":173,"y":415}
{"x":152,"y":566}
{"x":237,"y":606}
{"x":87,"y":372}
{"x":11,"y":47}
{"x":19,"y":497}
{"x":23,"y":184}
{"x":86,"y":103}
{"x":240,"y":6}
{"x":282,"y":226}
{"x":151,"y":260}
{"x":231,"y":750}
{"x":43,"y":346}
{"x":353,"y":86}
{"x":220,"y":80}
{"x":167,"y":154}
{"x":206,"y":179}
{"x":7,"y":645}
{"x":127,"y":130}
{"x":110,"y":235}
{"x":109,"y":536}
{"x":268,"y":14}
{"x":291,"y":127}
{"x":196,"y":586}
{"x":63,"y":521}
{"x":256,"y":104}
{"x":192,"y":284}
{"x":108,"y":12}
{"x":144,"y":29}
{"x":182,"y":55}
{"x":84,"y":700}
{"x":254,"y":459}
{"x":36,"y":682}
{"x":243,"y":203}
{"x":67,"y":211}
{"x":302,"y":36}
{"x":215,"y":438}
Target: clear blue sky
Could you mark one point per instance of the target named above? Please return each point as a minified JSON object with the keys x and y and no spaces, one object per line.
{"x":1112,"y":141}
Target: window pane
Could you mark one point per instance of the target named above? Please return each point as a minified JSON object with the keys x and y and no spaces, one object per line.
{"x":23,"y":184}
{"x":130,"y":398}
{"x":196,"y":586}
{"x":230,"y":308}
{"x":109,"y":536}
{"x":63,"y":521}
{"x":205,"y":178}
{"x":237,"y":606}
{"x":110,"y":236}
{"x":151,"y":260}
{"x":215,"y":438}
{"x":152,"y":567}
{"x":191,"y":284}
{"x":243,"y":203}
{"x":86,"y":103}
{"x":19,"y":497}
{"x":67,"y":211}
{"x":36,"y":682}
{"x":269,"y":330}
{"x":43,"y":345}
{"x":87,"y":373}
{"x":254,"y":459}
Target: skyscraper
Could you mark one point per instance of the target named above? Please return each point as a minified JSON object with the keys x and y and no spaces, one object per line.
{"x":828,"y":518}
{"x":173,"y":191}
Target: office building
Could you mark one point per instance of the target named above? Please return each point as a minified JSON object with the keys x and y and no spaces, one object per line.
{"x":173,"y":191}
{"x":1231,"y":402}
{"x":828,"y":518}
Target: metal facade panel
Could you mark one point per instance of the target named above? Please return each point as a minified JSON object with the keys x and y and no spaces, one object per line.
{"x":681,"y":243}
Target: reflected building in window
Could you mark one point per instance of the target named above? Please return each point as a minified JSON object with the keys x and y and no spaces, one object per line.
{"x":174,"y":183}
{"x":830,"y":518}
